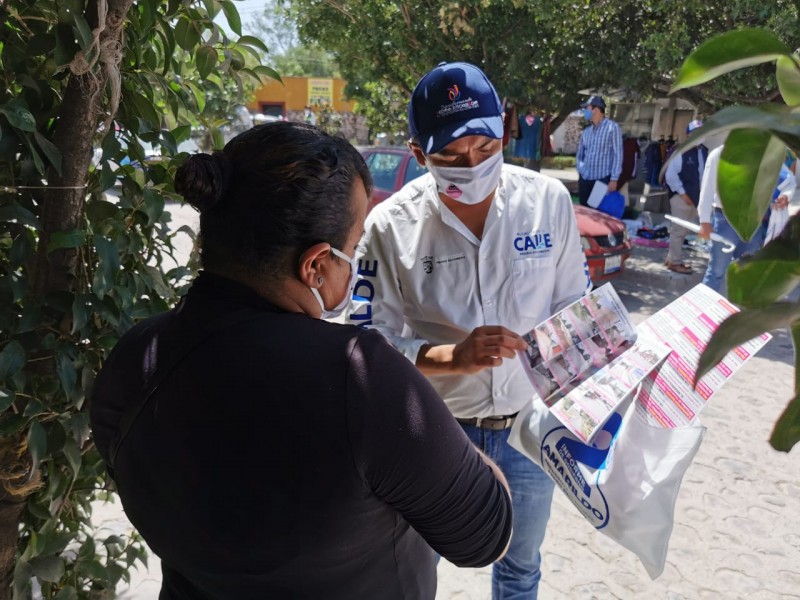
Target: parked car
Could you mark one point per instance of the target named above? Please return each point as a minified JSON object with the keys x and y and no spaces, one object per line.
{"x":604,"y":238}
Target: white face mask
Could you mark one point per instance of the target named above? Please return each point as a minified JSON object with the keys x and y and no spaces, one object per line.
{"x":337,"y":310}
{"x":468,"y":185}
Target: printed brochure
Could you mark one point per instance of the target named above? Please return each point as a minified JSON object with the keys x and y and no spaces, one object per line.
{"x":588,"y":359}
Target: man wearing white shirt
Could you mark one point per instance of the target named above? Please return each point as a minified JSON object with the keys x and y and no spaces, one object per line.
{"x":456,"y":265}
{"x":712,"y":218}
{"x":683,"y":177}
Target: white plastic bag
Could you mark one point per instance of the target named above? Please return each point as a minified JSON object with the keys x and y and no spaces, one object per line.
{"x":626,"y":486}
{"x":778,"y":219}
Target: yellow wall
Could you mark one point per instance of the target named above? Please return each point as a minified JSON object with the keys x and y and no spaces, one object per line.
{"x":293,"y":94}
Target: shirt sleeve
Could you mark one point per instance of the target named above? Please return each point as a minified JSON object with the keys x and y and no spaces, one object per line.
{"x":708,"y":187}
{"x":573,"y":279}
{"x":672,"y":175}
{"x":616,"y":150}
{"x":377,"y":301}
{"x":413,"y":455}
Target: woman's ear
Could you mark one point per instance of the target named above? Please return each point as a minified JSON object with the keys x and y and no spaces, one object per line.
{"x":311,"y":268}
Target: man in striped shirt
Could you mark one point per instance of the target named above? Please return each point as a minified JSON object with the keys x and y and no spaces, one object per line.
{"x":599,"y":151}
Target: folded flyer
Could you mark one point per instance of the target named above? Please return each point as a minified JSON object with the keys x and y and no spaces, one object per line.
{"x":587,"y":360}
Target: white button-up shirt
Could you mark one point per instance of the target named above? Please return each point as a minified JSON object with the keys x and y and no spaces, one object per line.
{"x":426,"y":279}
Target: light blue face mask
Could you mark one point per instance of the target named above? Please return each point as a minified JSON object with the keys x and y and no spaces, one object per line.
{"x":339,"y":308}
{"x":587,"y":114}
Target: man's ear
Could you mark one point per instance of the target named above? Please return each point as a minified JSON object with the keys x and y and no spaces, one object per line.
{"x":416,"y":150}
{"x":311,"y":265}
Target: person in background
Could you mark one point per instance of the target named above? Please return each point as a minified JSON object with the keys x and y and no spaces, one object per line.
{"x":460,"y":262}
{"x":599,"y":156}
{"x":309,"y":116}
{"x":263,"y":452}
{"x":683,"y":177}
{"x":713,"y":220}
{"x":777,"y":216}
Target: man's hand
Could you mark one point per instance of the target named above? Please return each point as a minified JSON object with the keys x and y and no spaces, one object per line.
{"x":485,"y":347}
{"x":612,"y":186}
{"x":705,"y":231}
{"x":687,"y":199}
{"x":781,"y":201}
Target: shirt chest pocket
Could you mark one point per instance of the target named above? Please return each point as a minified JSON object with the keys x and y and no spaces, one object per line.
{"x":532,"y":282}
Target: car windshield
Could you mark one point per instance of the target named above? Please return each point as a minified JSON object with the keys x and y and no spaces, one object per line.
{"x":383,"y":168}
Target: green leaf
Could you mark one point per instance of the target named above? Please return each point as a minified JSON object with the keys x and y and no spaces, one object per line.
{"x":157,"y":281}
{"x":12,"y":359}
{"x":232,"y":15}
{"x":66,"y":593}
{"x":206,"y":58}
{"x":748,"y":172}
{"x":100,"y":210}
{"x":217,"y":138}
{"x":788,"y":75}
{"x":50,"y":150}
{"x":73,"y":455}
{"x":770,"y":274}
{"x":728,"y":52}
{"x":66,"y":239}
{"x":153,"y":205}
{"x":743,"y":327}
{"x":14,"y":213}
{"x":67,"y":374}
{"x":249,"y":40}
{"x":212,"y":7}
{"x":37,"y":443}
{"x":18,"y":115}
{"x":92,"y":569}
{"x":143,"y":108}
{"x":85,"y":37}
{"x":269,"y":73}
{"x":786,"y":432}
{"x":7,"y":398}
{"x":107,"y":268}
{"x":199,"y":96}
{"x":186,"y":34}
{"x":47,"y":568}
{"x":81,"y":311}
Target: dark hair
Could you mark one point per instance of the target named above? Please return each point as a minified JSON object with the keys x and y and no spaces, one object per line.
{"x":271,"y":193}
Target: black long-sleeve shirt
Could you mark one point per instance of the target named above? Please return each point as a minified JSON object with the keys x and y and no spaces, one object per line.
{"x":291,"y":457}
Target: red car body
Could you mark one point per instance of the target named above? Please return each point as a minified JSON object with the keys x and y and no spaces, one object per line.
{"x":604,"y":238}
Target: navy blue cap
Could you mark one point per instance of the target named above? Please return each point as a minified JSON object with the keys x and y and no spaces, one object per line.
{"x":595,"y":101}
{"x":452,"y":101}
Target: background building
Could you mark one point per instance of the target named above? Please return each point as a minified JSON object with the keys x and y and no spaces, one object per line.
{"x":324,"y":96}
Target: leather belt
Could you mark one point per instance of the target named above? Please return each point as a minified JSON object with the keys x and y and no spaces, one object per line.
{"x":493,"y":423}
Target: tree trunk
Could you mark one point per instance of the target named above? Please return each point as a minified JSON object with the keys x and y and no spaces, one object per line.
{"x":10,"y":513}
{"x":82,"y":110}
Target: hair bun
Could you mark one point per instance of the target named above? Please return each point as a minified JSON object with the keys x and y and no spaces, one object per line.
{"x":203,"y":179}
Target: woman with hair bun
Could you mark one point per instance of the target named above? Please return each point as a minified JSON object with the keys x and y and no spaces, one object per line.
{"x":263,"y":452}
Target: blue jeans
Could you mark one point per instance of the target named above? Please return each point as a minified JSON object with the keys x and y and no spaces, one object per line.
{"x":719,"y":261}
{"x":516,"y":576}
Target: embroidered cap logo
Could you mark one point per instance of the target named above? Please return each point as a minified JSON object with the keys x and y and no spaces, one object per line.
{"x":453,"y":93}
